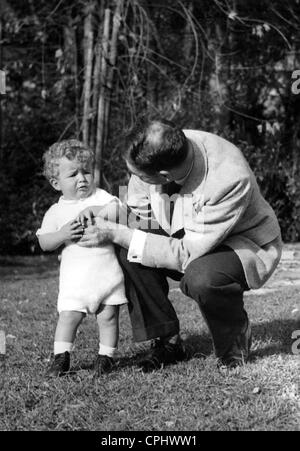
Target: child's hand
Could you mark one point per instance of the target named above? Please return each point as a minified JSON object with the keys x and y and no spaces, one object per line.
{"x":86,"y":217}
{"x":72,"y":231}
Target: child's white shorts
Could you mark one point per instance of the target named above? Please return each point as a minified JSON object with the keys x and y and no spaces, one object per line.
{"x":89,"y":277}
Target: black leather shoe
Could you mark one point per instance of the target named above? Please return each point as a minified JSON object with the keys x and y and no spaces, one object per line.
{"x":103,"y":364}
{"x":60,"y":365}
{"x":239,"y":353}
{"x":160,"y":355}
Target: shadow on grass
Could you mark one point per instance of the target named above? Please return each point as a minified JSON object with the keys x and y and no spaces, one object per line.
{"x":197,"y":346}
{"x":275,"y":334}
{"x":121,"y":362}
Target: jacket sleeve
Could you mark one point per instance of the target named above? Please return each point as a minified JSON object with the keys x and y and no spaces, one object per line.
{"x":206,"y":230}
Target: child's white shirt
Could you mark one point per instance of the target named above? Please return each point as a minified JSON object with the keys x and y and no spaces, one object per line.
{"x":88,"y":276}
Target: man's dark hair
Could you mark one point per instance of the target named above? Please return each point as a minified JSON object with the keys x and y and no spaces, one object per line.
{"x":156,"y":145}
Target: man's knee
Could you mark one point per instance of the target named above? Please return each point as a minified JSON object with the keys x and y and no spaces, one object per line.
{"x":199,"y":280}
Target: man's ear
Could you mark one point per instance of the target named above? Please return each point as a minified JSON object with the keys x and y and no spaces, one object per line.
{"x":166,"y":175}
{"x":55,"y":184}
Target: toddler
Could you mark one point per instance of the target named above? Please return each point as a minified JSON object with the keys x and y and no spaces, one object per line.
{"x":91,"y":280}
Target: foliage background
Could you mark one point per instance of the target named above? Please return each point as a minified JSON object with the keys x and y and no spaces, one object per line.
{"x":76,"y":67}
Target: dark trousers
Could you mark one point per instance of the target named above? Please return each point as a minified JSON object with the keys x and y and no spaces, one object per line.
{"x":215,"y":281}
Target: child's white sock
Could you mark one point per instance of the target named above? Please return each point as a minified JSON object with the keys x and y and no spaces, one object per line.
{"x":106,"y":350}
{"x":62,"y":346}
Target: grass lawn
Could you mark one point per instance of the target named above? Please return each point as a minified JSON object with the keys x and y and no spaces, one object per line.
{"x":193,"y":395}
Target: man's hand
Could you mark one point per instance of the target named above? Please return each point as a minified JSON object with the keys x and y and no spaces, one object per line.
{"x":94,"y":236}
{"x":72,"y":231}
{"x":106,"y":232}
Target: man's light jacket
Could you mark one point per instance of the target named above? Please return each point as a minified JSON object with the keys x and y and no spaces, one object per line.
{"x":219,"y":203}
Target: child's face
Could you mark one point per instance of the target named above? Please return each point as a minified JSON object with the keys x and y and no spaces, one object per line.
{"x":75,"y":179}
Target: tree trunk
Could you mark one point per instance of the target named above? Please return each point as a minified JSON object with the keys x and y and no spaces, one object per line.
{"x":217,"y":83}
{"x":76,"y":86}
{"x":112,"y":65}
{"x":96,"y":90}
{"x":102,"y":96}
{"x":97,"y":78}
{"x":1,"y":67}
{"x":71,"y":63}
{"x":88,"y":67}
{"x":188,"y":34}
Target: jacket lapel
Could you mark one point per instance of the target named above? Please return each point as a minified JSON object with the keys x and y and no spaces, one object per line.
{"x":160,"y":207}
{"x":189,"y":200}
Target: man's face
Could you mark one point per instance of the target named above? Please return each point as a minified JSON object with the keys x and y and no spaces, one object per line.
{"x":75,"y":179}
{"x":153,"y":179}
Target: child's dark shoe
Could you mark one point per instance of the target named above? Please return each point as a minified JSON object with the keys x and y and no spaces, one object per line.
{"x":60,"y":365}
{"x":103,"y":364}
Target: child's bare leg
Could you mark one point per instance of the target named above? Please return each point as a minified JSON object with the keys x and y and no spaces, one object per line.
{"x":108,"y":322}
{"x":66,"y":329}
{"x":65,"y":334}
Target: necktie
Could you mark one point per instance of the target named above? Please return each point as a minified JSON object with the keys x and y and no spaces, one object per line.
{"x":172,"y":188}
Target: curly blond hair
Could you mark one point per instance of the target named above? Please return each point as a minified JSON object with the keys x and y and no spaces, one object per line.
{"x":69,"y":148}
